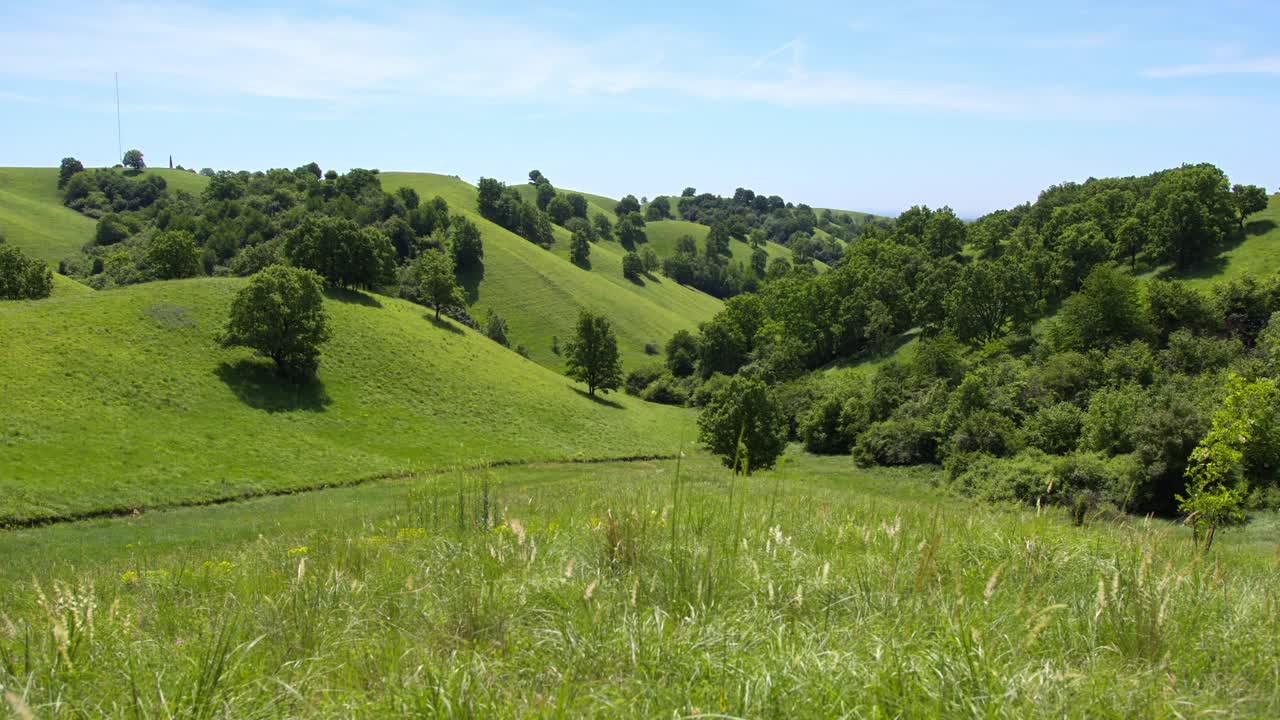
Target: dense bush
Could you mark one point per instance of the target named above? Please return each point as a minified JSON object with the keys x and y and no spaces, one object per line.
{"x":21,"y":277}
{"x":910,"y":441}
{"x":742,"y":426}
{"x":1054,"y":429}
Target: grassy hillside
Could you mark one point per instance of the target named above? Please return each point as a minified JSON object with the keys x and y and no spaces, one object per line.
{"x":123,"y":399}
{"x":663,"y":234}
{"x":33,"y":218}
{"x":1258,"y":253}
{"x":635,"y":590}
{"x":539,"y":292}
{"x":596,"y":204}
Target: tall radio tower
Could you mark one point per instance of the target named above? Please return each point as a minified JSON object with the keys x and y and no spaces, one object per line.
{"x":119,"y":141}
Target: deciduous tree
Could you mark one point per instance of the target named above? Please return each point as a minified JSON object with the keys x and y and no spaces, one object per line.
{"x":280,"y":313}
{"x":592,"y":356}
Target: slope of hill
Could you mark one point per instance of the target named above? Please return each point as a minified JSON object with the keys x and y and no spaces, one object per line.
{"x":663,"y":234}
{"x":1258,"y":253}
{"x":539,"y":292}
{"x":33,"y":218}
{"x":121,"y":399}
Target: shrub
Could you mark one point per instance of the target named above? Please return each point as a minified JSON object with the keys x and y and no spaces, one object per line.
{"x":651,"y":348}
{"x":1192,"y":354}
{"x":495,"y":328}
{"x":173,"y":254}
{"x":682,"y":354}
{"x":640,"y":378}
{"x":742,"y":426}
{"x":708,"y":389}
{"x":666,"y":390}
{"x":1132,"y":363}
{"x":111,"y":230}
{"x":21,"y":277}
{"x":1054,"y":429}
{"x":1067,"y":374}
{"x":1107,"y":425}
{"x":985,"y":431}
{"x":632,"y":266}
{"x":1023,"y":478}
{"x":256,"y":258}
{"x":910,"y":441}
{"x":834,"y":421}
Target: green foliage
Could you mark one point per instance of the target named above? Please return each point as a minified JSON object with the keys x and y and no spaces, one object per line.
{"x":1269,"y":343}
{"x":658,"y":209}
{"x":580,"y":248}
{"x":434,"y":281}
{"x":626,"y":206}
{"x":1054,"y":429}
{"x":280,"y":313}
{"x":465,"y":243}
{"x":1241,"y":448}
{"x":111,"y":230}
{"x":1247,"y":200}
{"x":592,"y":356}
{"x":741,"y":425}
{"x":1190,"y":214}
{"x":559,"y":209}
{"x":985,"y":299}
{"x":630,"y":230}
{"x":1245,"y":304}
{"x":133,"y":159}
{"x":904,"y":441}
{"x":545,"y":195}
{"x":1173,"y":306}
{"x":603,"y":228}
{"x":69,"y":167}
{"x":21,"y":277}
{"x":832,"y":424}
{"x":341,"y":251}
{"x":649,"y":259}
{"x":495,"y":328}
{"x":641,"y":377}
{"x":682,"y":353}
{"x":632,"y":266}
{"x":172,"y":255}
{"x":1107,"y":311}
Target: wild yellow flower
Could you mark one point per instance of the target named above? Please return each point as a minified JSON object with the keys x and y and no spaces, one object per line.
{"x":300,"y":550}
{"x":129,"y":577}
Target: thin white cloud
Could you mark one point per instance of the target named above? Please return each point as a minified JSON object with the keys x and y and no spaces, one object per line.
{"x":200,"y":55}
{"x":1257,"y":66}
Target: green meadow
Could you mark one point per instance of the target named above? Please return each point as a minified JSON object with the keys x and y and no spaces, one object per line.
{"x":643,"y":589}
{"x":124,"y":399}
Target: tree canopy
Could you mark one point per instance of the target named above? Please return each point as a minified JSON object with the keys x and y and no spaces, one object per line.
{"x":280,"y":313}
{"x":592,"y":356}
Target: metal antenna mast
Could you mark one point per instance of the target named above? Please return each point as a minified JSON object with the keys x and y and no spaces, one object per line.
{"x":119,"y":141}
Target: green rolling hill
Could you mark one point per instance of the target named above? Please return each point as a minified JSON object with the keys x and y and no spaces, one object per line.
{"x":33,"y":218}
{"x":124,"y":399}
{"x":539,"y":292}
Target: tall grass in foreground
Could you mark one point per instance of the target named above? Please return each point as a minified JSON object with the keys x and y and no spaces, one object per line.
{"x":643,"y":594}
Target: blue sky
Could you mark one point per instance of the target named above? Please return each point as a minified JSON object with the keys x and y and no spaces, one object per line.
{"x":855,"y":105}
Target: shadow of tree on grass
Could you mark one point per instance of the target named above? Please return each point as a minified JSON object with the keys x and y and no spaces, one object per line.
{"x":259,"y":386}
{"x":598,"y":399}
{"x":354,"y":297}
